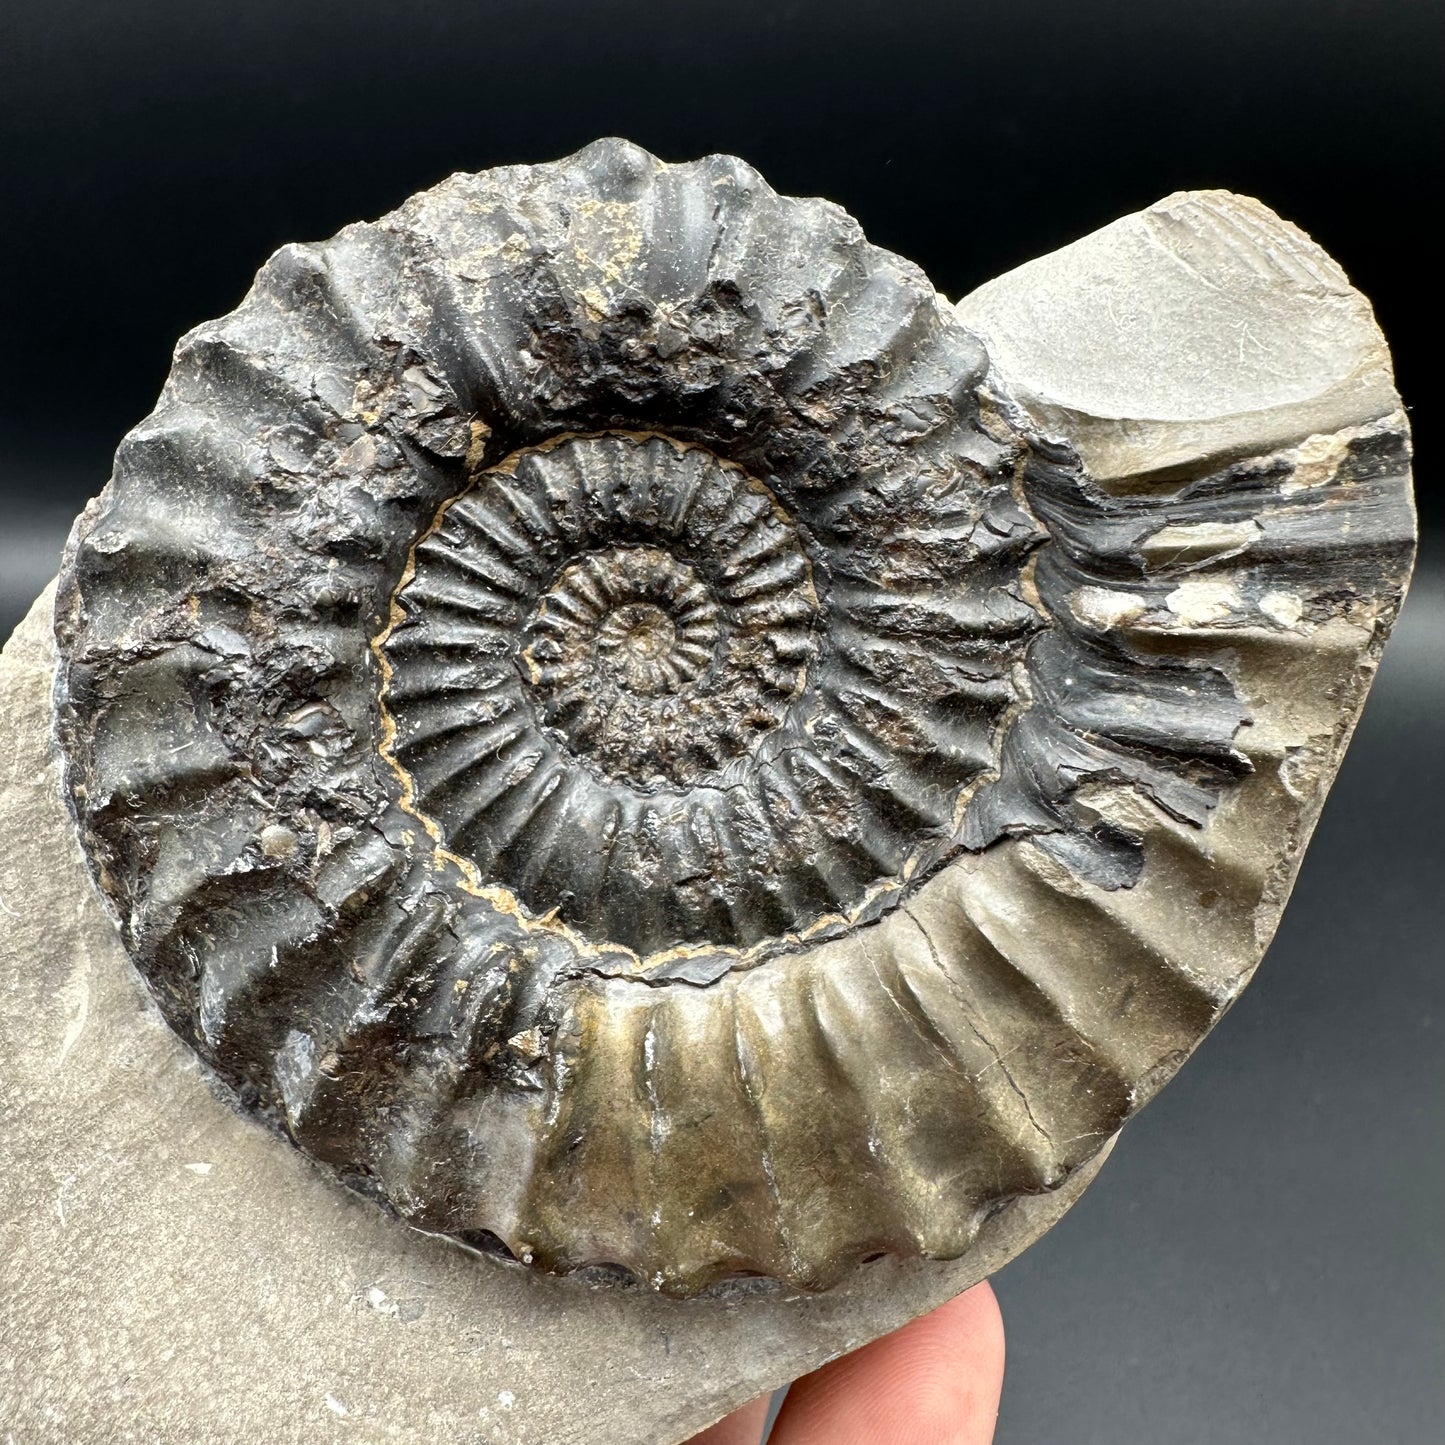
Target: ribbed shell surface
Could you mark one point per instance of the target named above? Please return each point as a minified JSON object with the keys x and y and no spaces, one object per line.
{"x":602,"y":722}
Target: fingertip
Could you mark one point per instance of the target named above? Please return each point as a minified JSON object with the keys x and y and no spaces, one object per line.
{"x":742,"y":1427}
{"x":976,"y":1315}
{"x":947,"y":1369}
{"x":936,"y":1381}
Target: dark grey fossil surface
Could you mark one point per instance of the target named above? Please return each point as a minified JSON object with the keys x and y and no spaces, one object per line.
{"x":642,"y":738}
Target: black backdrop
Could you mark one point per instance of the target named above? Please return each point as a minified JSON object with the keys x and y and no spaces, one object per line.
{"x":155,"y":153}
{"x":1262,"y":1260}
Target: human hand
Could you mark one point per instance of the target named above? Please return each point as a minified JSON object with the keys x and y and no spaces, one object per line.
{"x":934,"y":1382}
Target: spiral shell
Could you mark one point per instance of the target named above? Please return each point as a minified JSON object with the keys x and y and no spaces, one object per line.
{"x":580,"y":699}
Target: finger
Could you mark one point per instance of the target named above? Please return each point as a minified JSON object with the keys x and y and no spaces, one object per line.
{"x":934,"y":1382}
{"x":742,"y":1427}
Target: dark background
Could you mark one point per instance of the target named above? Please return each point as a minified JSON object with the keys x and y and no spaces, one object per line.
{"x":1262,"y":1261}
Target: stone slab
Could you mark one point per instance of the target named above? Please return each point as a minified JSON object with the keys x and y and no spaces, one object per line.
{"x":1202,"y":328}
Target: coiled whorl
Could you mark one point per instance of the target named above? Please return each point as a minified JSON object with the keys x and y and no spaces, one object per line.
{"x":578,"y":701}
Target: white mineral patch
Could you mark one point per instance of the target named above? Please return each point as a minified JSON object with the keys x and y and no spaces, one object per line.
{"x":1316,"y":460}
{"x":1103,"y":607}
{"x":1198,"y":541}
{"x":1199,"y":602}
{"x":529,"y":1045}
{"x":1300,"y":772}
{"x":1286,"y":608}
{"x":277,"y":842}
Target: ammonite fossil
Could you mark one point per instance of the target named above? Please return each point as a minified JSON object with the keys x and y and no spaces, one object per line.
{"x":603,"y":720}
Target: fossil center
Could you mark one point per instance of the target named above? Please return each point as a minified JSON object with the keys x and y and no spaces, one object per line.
{"x":627,"y":690}
{"x":641,"y":636}
{"x":632,"y":616}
